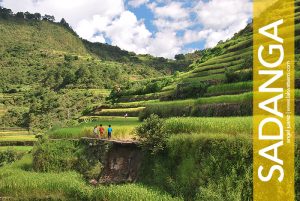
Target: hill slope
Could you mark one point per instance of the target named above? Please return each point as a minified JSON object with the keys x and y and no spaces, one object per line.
{"x":218,"y":82}
{"x":50,"y":76}
{"x":32,"y":51}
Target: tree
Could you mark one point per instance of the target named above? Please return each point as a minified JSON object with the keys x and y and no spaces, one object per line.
{"x":179,"y":57}
{"x":83,"y":76}
{"x":49,"y":18}
{"x":65,"y":23}
{"x":5,"y":13}
{"x":153,"y":135}
{"x":37,"y":16}
{"x":114,"y":95}
{"x":20,"y":15}
{"x":28,"y":16}
{"x":68,"y":79}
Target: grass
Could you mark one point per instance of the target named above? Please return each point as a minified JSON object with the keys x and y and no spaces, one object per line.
{"x":7,"y":132}
{"x":122,"y":128}
{"x":130,"y":192}
{"x":214,"y":71}
{"x":135,"y":104}
{"x":18,"y":138}
{"x":16,"y":134}
{"x":229,"y":56}
{"x":297,"y":74}
{"x":225,"y":58}
{"x":218,"y":65}
{"x":207,"y":100}
{"x":179,"y":103}
{"x":18,"y":181}
{"x":2,"y":112}
{"x":205,"y":78}
{"x":120,"y":111}
{"x":297,"y":93}
{"x":145,"y":97}
{"x":231,"y":87}
{"x":16,"y":148}
{"x":226,"y":99}
{"x":228,"y":126}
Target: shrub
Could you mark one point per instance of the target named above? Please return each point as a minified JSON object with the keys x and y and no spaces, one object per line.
{"x":9,"y":156}
{"x":190,"y":90}
{"x":241,"y":76}
{"x":15,"y":117}
{"x":64,"y":155}
{"x":54,"y":156}
{"x":231,"y":76}
{"x":202,"y":168}
{"x":152,"y":134}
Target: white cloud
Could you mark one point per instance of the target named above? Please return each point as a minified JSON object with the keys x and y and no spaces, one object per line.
{"x":98,"y":38}
{"x":98,"y":20}
{"x":223,"y":18}
{"x":168,"y":24}
{"x":191,"y":36}
{"x":169,"y":18}
{"x":165,"y":44}
{"x":137,"y":3}
{"x":220,"y":14}
{"x":72,"y":10}
{"x":173,"y":10}
{"x":129,"y":33}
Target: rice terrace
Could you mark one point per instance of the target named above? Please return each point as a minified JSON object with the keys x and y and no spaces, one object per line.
{"x":181,"y":128}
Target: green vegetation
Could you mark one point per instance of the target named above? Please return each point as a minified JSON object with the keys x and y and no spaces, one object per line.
{"x":231,"y":88}
{"x":8,"y":156}
{"x":16,"y":148}
{"x":132,"y":112}
{"x":18,"y":138}
{"x":49,"y":76}
{"x":18,"y":180}
{"x":153,"y":134}
{"x":122,"y":128}
{"x":130,"y":192}
{"x":16,"y":135}
{"x":59,"y":86}
{"x":198,"y":168}
{"x":225,"y":105}
{"x":233,"y":126}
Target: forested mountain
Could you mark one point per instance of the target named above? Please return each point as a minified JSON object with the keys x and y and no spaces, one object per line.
{"x":49,"y":74}
{"x":34,"y":50}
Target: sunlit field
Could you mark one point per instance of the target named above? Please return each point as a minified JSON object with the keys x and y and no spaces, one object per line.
{"x":123,"y":128}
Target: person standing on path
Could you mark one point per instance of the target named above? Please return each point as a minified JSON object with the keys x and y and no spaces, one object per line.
{"x":101,"y":130}
{"x":96,"y":131}
{"x":109,"y":131}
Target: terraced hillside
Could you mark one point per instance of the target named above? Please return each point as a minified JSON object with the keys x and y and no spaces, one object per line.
{"x":218,"y":83}
{"x":50,"y":76}
{"x":16,"y":137}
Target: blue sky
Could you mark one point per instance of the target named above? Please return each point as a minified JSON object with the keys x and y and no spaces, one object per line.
{"x":158,"y":27}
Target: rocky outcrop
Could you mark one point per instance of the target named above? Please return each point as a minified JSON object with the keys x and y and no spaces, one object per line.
{"x":122,"y":163}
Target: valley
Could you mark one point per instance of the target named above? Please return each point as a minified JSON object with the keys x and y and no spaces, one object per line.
{"x":192,"y":116}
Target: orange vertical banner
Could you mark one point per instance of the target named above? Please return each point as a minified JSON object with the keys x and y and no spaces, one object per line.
{"x":273,"y":100}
